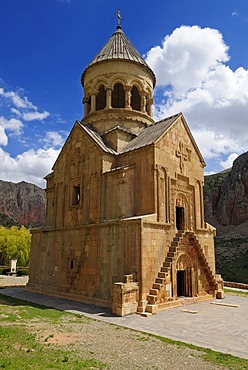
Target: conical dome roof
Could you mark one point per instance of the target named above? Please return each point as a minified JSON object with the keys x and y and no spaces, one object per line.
{"x":119,"y":47}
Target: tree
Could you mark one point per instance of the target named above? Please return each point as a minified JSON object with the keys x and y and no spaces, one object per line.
{"x":15,"y":243}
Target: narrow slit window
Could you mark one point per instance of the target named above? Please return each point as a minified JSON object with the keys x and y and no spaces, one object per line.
{"x":135,"y":99}
{"x":75,"y":195}
{"x":101,"y":98}
{"x":118,"y":96}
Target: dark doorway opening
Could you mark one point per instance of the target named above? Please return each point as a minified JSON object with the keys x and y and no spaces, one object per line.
{"x":181,"y":283}
{"x":180,"y":218}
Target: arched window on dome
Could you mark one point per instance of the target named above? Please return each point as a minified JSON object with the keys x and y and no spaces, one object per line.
{"x":147,"y":105}
{"x":135,"y":99}
{"x":101,"y":98}
{"x":118,"y":96}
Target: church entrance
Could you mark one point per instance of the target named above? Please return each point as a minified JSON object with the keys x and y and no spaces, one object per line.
{"x":181,"y":283}
{"x":180,"y":224}
{"x":184,"y":276}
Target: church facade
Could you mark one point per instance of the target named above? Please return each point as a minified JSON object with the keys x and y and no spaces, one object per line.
{"x":125,"y":218}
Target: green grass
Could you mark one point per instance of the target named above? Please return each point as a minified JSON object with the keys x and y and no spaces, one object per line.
{"x":216,"y":358}
{"x":236,"y":292}
{"x":21,"y":349}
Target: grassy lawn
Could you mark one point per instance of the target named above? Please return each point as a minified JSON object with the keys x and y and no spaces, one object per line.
{"x":29,"y":340}
{"x":236,"y":292}
{"x":216,"y":358}
{"x":19,"y":347}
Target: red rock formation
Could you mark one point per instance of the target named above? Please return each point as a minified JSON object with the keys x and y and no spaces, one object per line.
{"x":226,"y":195}
{"x":23,"y":202}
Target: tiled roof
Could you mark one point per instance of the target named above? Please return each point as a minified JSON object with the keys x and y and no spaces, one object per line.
{"x":120,"y":128}
{"x":97,"y":138}
{"x":147,"y":136}
{"x":151,"y":134}
{"x":119,"y":47}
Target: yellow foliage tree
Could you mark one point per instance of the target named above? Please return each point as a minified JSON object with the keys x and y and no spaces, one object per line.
{"x":15,"y":243}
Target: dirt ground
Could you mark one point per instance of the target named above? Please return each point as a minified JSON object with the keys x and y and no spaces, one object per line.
{"x":117,"y":347}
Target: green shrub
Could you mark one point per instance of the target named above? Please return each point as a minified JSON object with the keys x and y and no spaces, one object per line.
{"x":22,"y":272}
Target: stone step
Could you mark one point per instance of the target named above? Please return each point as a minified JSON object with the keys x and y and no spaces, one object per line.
{"x":151,"y":299}
{"x":159,"y":280}
{"x":171,"y":254}
{"x":157,"y":286}
{"x":173,"y":249}
{"x":164,"y":269}
{"x":151,"y":308}
{"x":174,"y":244}
{"x":164,"y":305}
{"x":154,"y":291}
{"x":166,"y":264}
{"x":162,"y":275}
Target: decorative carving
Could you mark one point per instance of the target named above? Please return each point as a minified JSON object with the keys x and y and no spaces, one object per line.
{"x":184,"y":262}
{"x":183,"y":154}
{"x":180,"y":201}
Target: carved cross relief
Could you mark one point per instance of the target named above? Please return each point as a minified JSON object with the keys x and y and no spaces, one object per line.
{"x":183,"y":154}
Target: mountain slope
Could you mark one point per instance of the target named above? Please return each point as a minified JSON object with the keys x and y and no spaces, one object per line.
{"x":226,"y":208}
{"x":24,"y":203}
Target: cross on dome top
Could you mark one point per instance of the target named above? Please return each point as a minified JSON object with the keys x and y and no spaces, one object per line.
{"x":119,"y":19}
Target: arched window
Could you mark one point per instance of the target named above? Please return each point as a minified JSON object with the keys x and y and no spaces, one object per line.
{"x":118,"y":96}
{"x":147,"y":106}
{"x":135,"y":99}
{"x":101,"y":98}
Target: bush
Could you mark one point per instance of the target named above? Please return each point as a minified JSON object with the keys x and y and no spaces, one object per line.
{"x":4,"y":271}
{"x":22,"y":272}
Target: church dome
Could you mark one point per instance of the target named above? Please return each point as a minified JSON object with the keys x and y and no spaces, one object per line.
{"x":119,"y":47}
{"x":118,"y":89}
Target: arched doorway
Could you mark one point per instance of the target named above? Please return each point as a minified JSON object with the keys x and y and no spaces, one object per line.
{"x":184,"y":276}
{"x":181,"y":216}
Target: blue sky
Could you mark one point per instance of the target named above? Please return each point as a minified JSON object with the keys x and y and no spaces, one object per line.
{"x":198,"y":50}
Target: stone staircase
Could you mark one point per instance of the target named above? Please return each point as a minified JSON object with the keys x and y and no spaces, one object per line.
{"x":153,"y":299}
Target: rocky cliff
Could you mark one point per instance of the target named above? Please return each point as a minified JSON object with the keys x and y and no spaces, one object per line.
{"x":226,"y":194}
{"x":226,"y":208}
{"x":22,"y":203}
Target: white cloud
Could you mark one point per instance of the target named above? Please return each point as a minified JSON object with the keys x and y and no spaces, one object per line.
{"x":3,"y":137}
{"x":30,"y":166}
{"x":17,"y":100}
{"x":193,"y":78}
{"x":229,"y":162}
{"x":13,"y":126}
{"x":33,"y":116}
{"x":54,"y":138}
{"x":22,"y":106}
{"x":186,"y":57}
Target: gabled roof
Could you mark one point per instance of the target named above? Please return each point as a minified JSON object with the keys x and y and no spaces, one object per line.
{"x":119,"y":47}
{"x":151,"y":133}
{"x":97,"y":138}
{"x":120,"y":128}
{"x":148,"y":136}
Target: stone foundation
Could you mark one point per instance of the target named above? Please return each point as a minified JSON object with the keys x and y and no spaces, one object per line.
{"x":125,"y":297}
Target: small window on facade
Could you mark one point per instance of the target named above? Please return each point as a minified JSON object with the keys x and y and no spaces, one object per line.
{"x":135,"y":99}
{"x":75,"y":195}
{"x":101,"y":98}
{"x":71,"y":264}
{"x":118,"y":96}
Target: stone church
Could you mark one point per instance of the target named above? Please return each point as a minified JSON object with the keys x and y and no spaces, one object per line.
{"x":125,"y":219}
